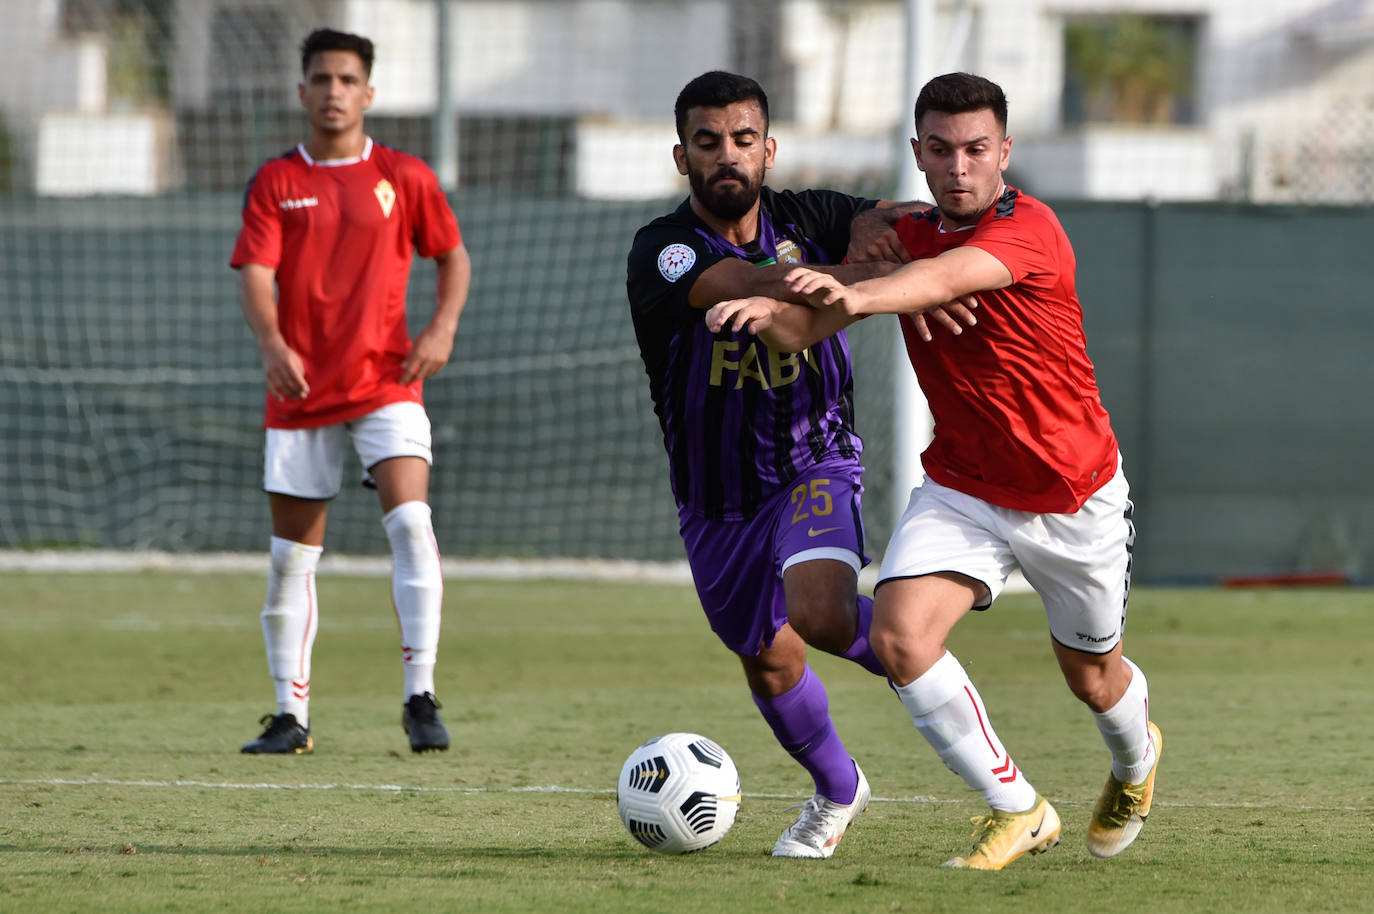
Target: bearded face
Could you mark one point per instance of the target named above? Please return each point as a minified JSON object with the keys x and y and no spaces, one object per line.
{"x":726,"y":153}
{"x":727,"y":192}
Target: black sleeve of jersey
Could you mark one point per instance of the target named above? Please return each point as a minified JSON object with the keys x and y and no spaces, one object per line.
{"x":665,"y":261}
{"x":821,"y":215}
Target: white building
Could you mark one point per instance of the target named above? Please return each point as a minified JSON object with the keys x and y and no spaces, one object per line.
{"x":1278,"y":103}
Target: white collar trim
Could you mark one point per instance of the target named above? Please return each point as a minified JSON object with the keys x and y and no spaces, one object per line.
{"x":335,"y":163}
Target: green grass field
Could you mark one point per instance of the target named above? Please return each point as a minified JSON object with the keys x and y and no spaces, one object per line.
{"x":127,"y":697}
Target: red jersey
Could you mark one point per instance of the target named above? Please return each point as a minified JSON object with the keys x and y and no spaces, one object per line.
{"x":341,"y":236}
{"x":1018,"y":419}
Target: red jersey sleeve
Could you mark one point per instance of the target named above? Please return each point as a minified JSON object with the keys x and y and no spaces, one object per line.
{"x":434,"y":227}
{"x":907,"y":231}
{"x":259,"y":239}
{"x":1026,"y":243}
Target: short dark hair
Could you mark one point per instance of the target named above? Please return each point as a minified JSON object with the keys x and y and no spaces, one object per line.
{"x":957,"y":93}
{"x":330,"y":40}
{"x":716,"y":89}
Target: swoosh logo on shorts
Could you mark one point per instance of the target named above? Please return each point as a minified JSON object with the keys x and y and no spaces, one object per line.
{"x":814,"y":532}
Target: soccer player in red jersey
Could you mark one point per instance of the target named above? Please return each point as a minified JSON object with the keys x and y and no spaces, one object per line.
{"x":324,"y":256}
{"x":1024,"y":469}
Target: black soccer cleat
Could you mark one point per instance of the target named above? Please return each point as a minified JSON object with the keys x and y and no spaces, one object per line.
{"x":283,"y":735}
{"x":420,"y":718}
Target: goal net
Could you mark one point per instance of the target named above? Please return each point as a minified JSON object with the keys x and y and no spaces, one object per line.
{"x":130,"y":387}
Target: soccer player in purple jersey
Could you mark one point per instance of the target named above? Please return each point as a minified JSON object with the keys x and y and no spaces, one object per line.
{"x":763,"y":454}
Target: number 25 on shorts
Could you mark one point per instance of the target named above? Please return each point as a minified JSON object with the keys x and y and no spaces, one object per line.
{"x":811,"y":499}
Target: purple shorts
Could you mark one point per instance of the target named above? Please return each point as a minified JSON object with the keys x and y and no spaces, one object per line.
{"x":737,"y":565}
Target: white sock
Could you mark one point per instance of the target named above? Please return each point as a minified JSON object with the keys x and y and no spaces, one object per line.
{"x":1124,"y":730}
{"x":419,"y":678}
{"x":949,"y":713}
{"x":293,"y":697}
{"x":417,"y":590}
{"x":290,"y":618}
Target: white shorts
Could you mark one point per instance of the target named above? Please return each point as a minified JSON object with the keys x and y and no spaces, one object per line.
{"x":308,"y":462}
{"x":1079,"y":563}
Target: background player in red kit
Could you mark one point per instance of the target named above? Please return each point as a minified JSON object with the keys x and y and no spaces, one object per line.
{"x":324,"y":256}
{"x":1024,"y":469}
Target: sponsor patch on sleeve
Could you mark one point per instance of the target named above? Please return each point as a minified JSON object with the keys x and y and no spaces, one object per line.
{"x":675,"y":260}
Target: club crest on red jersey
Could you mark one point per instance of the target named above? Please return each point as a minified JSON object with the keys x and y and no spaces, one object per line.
{"x":386,"y":196}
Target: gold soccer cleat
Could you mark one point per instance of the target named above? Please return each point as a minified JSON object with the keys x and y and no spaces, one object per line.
{"x":1121,"y":810}
{"x":1003,"y":836}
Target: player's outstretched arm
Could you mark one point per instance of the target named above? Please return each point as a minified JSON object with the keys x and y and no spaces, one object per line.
{"x":734,"y":278}
{"x":912,"y":288}
{"x":434,"y":345}
{"x":282,"y":366}
{"x":822,"y":291}
{"x":782,"y":326}
{"x":828,"y":294}
{"x":873,"y":236}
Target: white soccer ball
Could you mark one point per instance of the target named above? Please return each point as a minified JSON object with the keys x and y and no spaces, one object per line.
{"x":678,"y":793}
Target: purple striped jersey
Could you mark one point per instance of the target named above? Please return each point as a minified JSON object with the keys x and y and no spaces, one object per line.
{"x":740,"y":421}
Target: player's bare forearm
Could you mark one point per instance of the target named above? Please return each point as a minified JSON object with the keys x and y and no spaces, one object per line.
{"x":732,"y":278}
{"x":828,"y":296}
{"x":258,"y":298}
{"x":798,"y":327}
{"x":782,"y":326}
{"x":434,"y":345}
{"x":910,"y":289}
{"x":282,"y":367}
{"x":454,"y":280}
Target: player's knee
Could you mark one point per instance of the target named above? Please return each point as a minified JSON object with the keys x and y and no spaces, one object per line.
{"x":408,"y":522}
{"x":771,"y":678}
{"x":823,"y":623}
{"x":291,"y":559}
{"x":905,"y":652}
{"x":1090,"y":685}
{"x":411,"y":534}
{"x":888,"y":646}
